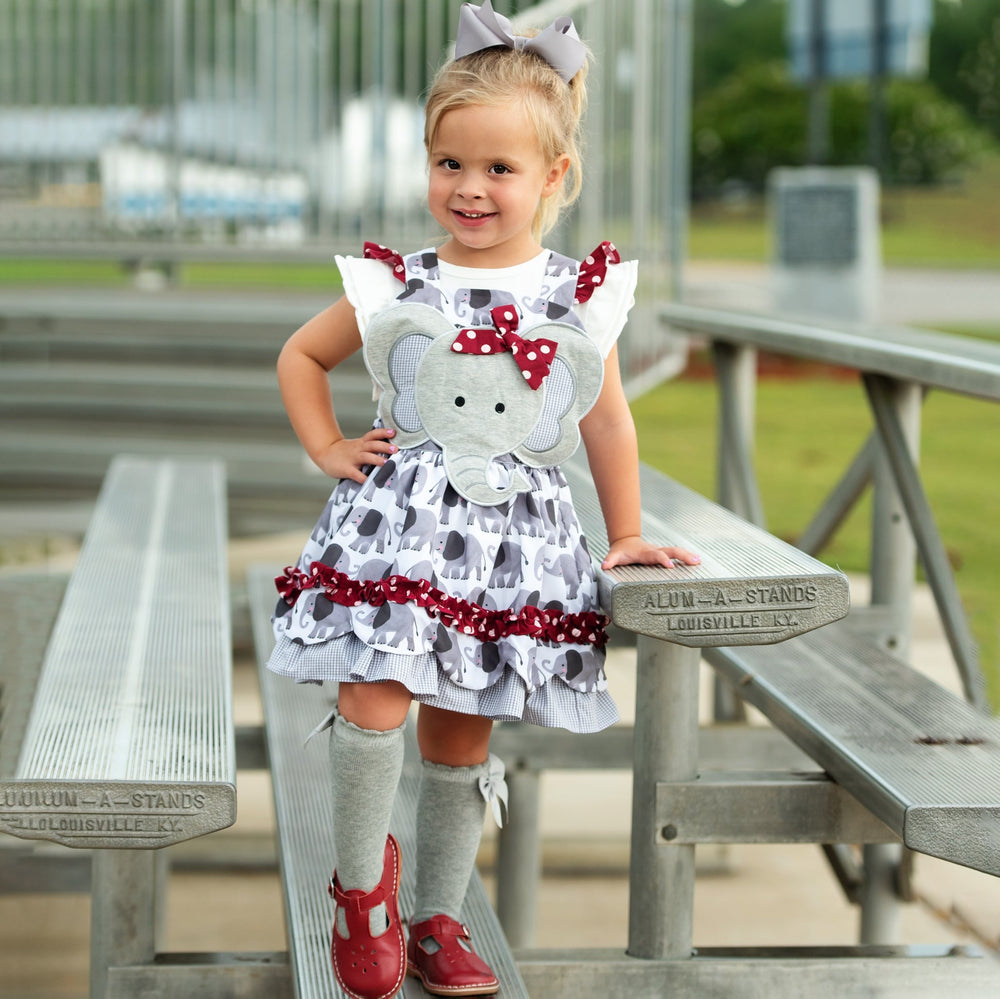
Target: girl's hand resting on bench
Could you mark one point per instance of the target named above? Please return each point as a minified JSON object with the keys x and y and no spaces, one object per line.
{"x":636,"y":551}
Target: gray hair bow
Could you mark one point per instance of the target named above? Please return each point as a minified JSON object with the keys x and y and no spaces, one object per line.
{"x":483,"y":28}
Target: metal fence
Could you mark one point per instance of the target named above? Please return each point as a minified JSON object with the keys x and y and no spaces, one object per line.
{"x":259,"y":125}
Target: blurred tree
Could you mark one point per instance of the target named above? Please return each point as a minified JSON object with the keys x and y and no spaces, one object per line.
{"x":965,"y":57}
{"x":756,"y":120}
{"x":930,"y":137}
{"x":729,"y":36}
{"x":749,"y":123}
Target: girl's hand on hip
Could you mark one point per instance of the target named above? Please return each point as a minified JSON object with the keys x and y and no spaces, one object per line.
{"x":636,"y":551}
{"x":346,"y":458}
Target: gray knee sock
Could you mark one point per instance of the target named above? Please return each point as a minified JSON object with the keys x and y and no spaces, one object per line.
{"x":365,"y":766}
{"x":450,"y":812}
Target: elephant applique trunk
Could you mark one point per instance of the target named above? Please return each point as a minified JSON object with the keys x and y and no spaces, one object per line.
{"x":468,"y":474}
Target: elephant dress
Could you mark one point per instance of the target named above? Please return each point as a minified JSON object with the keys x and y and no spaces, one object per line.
{"x":485,"y":608}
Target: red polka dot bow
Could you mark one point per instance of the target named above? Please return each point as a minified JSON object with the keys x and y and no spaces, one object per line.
{"x":533,"y":357}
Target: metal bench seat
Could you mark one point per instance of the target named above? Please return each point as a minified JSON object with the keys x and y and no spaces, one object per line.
{"x":157,"y":400}
{"x":82,"y":388}
{"x":304,"y":815}
{"x":28,"y":608}
{"x":129,"y":307}
{"x":262,"y":475}
{"x":918,"y":757}
{"x":750,"y":588}
{"x":29,"y":603}
{"x":129,"y":741}
{"x":129,"y":326}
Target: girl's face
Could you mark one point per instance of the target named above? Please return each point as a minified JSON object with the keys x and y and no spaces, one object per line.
{"x":487,"y":176}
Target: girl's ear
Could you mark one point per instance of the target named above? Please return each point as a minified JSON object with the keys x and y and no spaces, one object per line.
{"x":556,"y":174}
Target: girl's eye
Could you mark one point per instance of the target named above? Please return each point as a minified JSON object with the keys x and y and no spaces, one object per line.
{"x":450,"y":164}
{"x":500,"y":169}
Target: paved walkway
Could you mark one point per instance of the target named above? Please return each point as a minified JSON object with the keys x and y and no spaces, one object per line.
{"x":918,"y":296}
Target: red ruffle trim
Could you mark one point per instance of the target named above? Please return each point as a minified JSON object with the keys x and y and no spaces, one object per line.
{"x":594,"y":270}
{"x":588,"y":628}
{"x":376,"y":251}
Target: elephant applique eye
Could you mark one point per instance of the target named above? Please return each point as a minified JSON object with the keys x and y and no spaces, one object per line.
{"x":479,"y":407}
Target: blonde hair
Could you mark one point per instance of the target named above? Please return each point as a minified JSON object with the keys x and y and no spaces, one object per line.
{"x":498,"y":76}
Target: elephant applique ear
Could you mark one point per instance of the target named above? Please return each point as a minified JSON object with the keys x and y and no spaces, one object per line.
{"x":395,"y":343}
{"x":571,"y":389}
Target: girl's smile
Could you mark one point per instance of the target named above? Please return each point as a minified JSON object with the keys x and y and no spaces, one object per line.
{"x":487,"y":177}
{"x":472,"y":219}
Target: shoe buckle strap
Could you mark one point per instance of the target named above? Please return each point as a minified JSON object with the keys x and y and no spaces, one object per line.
{"x":355,"y":900}
{"x":442,"y":926}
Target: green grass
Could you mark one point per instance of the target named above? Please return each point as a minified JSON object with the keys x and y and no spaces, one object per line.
{"x":719,"y":234}
{"x":276,"y":276}
{"x":977,"y":331}
{"x":952,"y":226}
{"x":27,"y":272}
{"x":313,"y":277}
{"x":960,"y":450}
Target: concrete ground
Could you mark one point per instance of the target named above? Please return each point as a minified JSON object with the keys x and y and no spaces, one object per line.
{"x":906,"y":295}
{"x":745,"y":895}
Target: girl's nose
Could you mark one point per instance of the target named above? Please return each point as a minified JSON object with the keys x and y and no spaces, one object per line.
{"x":469,"y":189}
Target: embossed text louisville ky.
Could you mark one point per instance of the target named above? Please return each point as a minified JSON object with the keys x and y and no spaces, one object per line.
{"x":757,"y":609}
{"x":80,"y":814}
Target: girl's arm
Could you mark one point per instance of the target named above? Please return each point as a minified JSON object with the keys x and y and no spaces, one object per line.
{"x":612,"y":451}
{"x":309,"y":353}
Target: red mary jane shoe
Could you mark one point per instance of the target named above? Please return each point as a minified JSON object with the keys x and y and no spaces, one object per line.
{"x":440,"y":955}
{"x":370,"y":967}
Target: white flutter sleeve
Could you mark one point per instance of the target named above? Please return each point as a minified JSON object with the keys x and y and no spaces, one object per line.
{"x":605,"y":314}
{"x":369,"y":286}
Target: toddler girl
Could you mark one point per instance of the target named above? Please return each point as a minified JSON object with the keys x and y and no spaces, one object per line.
{"x":449,"y":566}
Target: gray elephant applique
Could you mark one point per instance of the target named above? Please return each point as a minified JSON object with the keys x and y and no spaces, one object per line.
{"x":425,"y":264}
{"x":391,"y":624}
{"x":528,"y":518}
{"x":385,"y":475}
{"x":476,"y":408}
{"x":472,"y":305}
{"x":485,"y":657}
{"x":463,"y":555}
{"x":373,"y":530}
{"x":559,"y":266}
{"x":561,"y":567}
{"x":419,"y":527}
{"x":508,"y":566}
{"x":546,"y":307}
{"x":487,"y":519}
{"x":323,"y":524}
{"x":337,"y":558}
{"x":419,"y":291}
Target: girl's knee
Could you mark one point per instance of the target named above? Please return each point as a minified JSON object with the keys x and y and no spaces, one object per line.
{"x":451,"y":738}
{"x":376,"y":706}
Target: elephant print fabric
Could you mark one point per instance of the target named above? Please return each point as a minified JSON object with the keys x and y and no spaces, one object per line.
{"x":459,"y":568}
